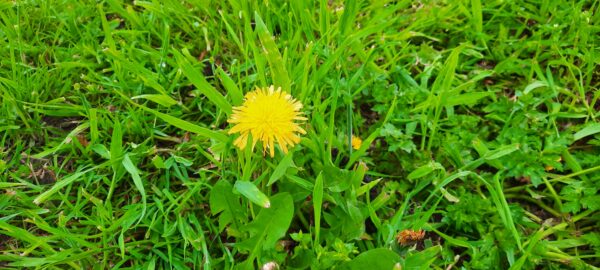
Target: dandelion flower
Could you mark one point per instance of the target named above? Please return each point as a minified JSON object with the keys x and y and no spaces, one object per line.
{"x":268,"y":115}
{"x":356,"y":142}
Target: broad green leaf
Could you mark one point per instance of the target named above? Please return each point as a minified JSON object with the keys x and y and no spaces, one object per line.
{"x":336,"y":179}
{"x":223,"y":201}
{"x":422,"y":260}
{"x":250,"y":191}
{"x":270,"y":225}
{"x":380,"y":258}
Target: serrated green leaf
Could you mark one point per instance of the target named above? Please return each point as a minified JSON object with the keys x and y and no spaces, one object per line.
{"x":223,"y":201}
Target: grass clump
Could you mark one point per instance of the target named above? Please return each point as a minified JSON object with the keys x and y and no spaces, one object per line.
{"x":437,"y":134}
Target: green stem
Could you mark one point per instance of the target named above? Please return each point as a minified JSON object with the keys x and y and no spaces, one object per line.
{"x":571,"y":175}
{"x":536,"y":202}
{"x":554,"y":194}
{"x":533,"y":216}
{"x":302,"y":219}
{"x":582,"y":215}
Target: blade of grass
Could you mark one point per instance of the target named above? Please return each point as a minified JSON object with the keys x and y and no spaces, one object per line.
{"x":279,"y":73}
{"x":200,"y":82}
{"x":317,"y":204}
{"x":137,"y":181}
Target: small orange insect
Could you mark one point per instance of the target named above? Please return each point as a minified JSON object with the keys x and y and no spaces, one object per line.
{"x":408,"y":237}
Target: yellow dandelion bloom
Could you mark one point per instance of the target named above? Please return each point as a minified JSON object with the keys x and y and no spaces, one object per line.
{"x":268,"y":115}
{"x":356,"y":142}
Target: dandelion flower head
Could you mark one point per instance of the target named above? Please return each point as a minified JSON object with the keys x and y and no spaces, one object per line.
{"x":269,"y":115}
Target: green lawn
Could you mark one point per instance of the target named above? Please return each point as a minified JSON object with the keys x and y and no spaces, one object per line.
{"x":479,"y":122}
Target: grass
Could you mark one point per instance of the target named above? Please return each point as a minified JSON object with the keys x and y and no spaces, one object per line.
{"x":479,"y":120}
